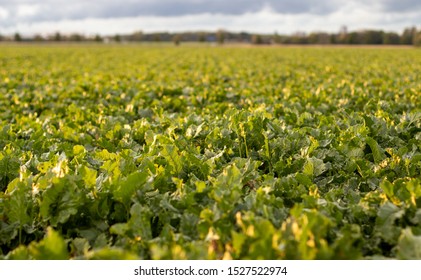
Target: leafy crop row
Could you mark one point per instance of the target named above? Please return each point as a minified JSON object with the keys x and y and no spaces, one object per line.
{"x":209,"y":153}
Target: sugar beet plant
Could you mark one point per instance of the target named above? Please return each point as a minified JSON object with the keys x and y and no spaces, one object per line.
{"x":135,"y":152}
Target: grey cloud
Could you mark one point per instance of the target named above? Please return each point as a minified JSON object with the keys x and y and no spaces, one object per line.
{"x":401,"y":5}
{"x":60,"y":9}
{"x":56,"y":10}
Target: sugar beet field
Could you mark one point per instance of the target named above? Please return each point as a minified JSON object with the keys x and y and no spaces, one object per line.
{"x":161,"y":152}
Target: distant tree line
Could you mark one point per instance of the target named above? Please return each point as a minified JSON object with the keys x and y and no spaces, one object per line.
{"x":409,"y":36}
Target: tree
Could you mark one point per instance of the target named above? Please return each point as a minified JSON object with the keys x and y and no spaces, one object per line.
{"x":117,"y":38}
{"x":38,"y":38}
{"x":176,"y":39}
{"x":202,"y":37}
{"x":299,"y":38}
{"x":57,"y":37}
{"x":372,"y":37}
{"x":156,"y":37}
{"x":256,"y":39}
{"x":276,"y":38}
{"x":243,"y":37}
{"x":407,"y":37}
{"x":136,"y":36}
{"x":17,"y":37}
{"x":391,"y":38}
{"x":319,"y":38}
{"x":98,"y":38}
{"x":354,"y":38}
{"x":342,"y":35}
{"x":75,"y":37}
{"x":417,"y":39}
{"x":220,"y":36}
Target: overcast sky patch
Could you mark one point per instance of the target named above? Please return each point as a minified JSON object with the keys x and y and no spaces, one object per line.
{"x":125,"y":16}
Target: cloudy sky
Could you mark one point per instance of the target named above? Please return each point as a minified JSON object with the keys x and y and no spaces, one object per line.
{"x":283,"y":16}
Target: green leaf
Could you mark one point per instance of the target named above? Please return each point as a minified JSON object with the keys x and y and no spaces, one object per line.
{"x":119,"y":229}
{"x":385,"y":222}
{"x":171,"y":153}
{"x":111,"y":254}
{"x":238,"y":240}
{"x":314,"y":167}
{"x":52,"y":247}
{"x":20,"y":253}
{"x":8,"y":232}
{"x":414,"y":188}
{"x":140,"y":222}
{"x":378,"y":152}
{"x":43,"y":167}
{"x":388,"y":188}
{"x":79,"y":247}
{"x":227,"y":188}
{"x":355,"y":153}
{"x":19,"y":203}
{"x":88,"y":175}
{"x":127,"y":188}
{"x":78,"y":149}
{"x":303,"y":179}
{"x":308,"y":168}
{"x":60,"y":201}
{"x":200,"y":186}
{"x":9,"y":170}
{"x":409,"y":246}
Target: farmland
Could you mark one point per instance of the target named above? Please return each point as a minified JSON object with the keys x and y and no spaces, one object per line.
{"x":161,"y":152}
